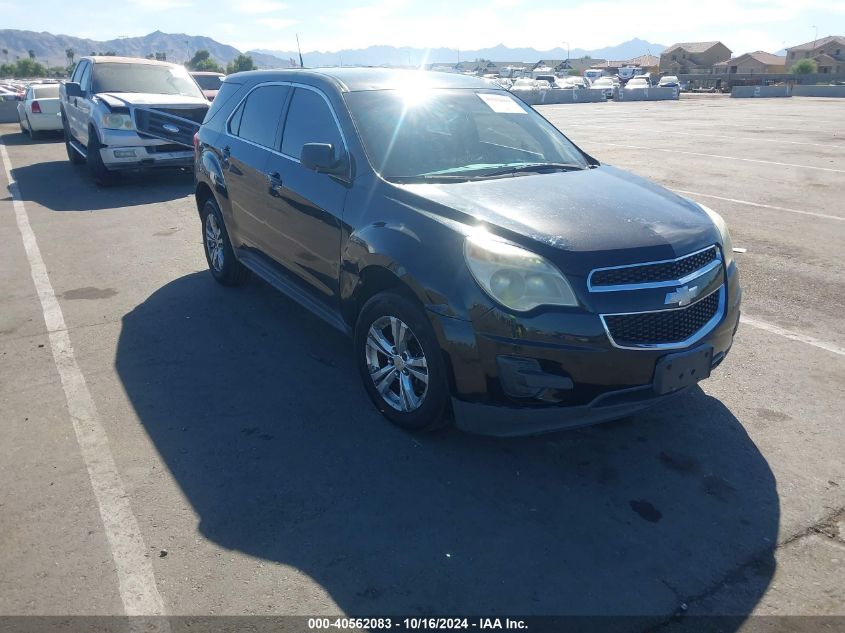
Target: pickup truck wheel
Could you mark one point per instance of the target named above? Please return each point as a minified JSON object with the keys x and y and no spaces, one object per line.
{"x":224,"y":266}
{"x":72,"y":155}
{"x":96,"y":168}
{"x":401,"y":363}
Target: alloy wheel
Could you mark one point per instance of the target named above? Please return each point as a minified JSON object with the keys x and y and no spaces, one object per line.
{"x":214,"y":242}
{"x":397,"y":364}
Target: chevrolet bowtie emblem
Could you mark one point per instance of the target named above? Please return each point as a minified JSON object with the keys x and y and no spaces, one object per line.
{"x":683,"y":296}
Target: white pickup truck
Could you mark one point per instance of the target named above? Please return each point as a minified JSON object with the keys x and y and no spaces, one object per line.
{"x":121,"y":113}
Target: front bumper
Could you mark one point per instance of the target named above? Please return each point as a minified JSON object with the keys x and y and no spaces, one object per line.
{"x":589,"y":380}
{"x":126,"y":150}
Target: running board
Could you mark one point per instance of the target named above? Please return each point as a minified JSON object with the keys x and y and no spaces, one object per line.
{"x":79,"y":149}
{"x":269,"y":272}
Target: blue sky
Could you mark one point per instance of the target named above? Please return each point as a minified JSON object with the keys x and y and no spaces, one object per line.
{"x":744,"y":25}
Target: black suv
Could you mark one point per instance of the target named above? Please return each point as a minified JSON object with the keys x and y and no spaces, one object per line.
{"x":488,"y":270}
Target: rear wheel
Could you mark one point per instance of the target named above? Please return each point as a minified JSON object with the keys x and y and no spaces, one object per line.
{"x":33,"y":134}
{"x":96,"y":168}
{"x":222,"y":263}
{"x":401,"y":363}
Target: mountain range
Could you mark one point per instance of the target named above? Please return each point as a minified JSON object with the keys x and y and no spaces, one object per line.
{"x":50,"y":49}
{"x":406,"y":56}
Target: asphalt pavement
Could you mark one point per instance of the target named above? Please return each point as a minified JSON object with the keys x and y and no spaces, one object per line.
{"x":173,"y":446}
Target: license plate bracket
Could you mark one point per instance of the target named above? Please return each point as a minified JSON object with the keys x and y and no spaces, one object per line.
{"x":682,"y":369}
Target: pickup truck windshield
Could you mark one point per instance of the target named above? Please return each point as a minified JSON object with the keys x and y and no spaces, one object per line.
{"x":144,"y":78}
{"x":428,"y":133}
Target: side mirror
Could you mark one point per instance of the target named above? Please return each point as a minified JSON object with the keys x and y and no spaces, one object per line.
{"x":73,"y":89}
{"x":320,"y":157}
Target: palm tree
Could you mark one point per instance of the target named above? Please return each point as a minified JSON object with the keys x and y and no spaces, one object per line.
{"x":31,"y":53}
{"x":70,"y":54}
{"x":6,"y":54}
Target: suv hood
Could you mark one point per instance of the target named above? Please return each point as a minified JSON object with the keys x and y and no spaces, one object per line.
{"x":117,"y":99}
{"x":603,"y":210}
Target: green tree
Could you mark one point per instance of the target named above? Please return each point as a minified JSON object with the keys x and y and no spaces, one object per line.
{"x":28,"y":68}
{"x":202,"y":61}
{"x":70,"y":54}
{"x":240,"y":64}
{"x":804,"y":67}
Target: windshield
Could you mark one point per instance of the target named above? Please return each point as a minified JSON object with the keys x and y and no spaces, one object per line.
{"x":209,"y":82}
{"x":144,"y":78}
{"x":440,"y":132}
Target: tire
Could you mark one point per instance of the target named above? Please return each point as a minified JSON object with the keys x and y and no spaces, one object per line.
{"x":73,"y":156}
{"x":428,"y":407}
{"x":33,"y":134}
{"x":224,"y":266}
{"x":96,"y":168}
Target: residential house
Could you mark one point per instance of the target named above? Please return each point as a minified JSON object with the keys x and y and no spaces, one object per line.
{"x":649,"y":63}
{"x":756,"y":63}
{"x":579,"y":64}
{"x":693,"y":57}
{"x":828,"y":53}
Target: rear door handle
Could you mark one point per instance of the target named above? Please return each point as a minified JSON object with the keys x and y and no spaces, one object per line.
{"x":274,"y":180}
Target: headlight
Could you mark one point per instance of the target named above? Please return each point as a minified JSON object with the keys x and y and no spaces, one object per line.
{"x":113,"y":121}
{"x":727,"y":245}
{"x":516,"y":278}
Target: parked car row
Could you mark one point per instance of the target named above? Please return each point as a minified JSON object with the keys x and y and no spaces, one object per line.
{"x":438,"y":221}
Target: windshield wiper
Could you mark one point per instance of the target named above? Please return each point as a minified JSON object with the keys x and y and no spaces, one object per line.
{"x":433,"y":178}
{"x":531,"y":168}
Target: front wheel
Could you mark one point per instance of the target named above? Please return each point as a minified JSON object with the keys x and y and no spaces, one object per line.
{"x":96,"y":167}
{"x":401,"y":363}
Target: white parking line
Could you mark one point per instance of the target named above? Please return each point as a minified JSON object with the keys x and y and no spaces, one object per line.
{"x":758,"y":204}
{"x":746,"y":160}
{"x":138,"y":589}
{"x":795,"y":336}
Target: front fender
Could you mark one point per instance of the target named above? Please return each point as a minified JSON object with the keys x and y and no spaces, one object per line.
{"x":424,"y":254}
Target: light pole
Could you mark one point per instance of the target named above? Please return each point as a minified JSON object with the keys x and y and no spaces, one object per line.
{"x":567,"y":51}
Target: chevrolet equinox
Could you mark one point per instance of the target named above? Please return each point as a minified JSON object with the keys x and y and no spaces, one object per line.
{"x":488,"y":271}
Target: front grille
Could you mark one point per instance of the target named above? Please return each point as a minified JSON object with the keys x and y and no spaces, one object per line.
{"x":197,"y":115}
{"x":651,"y":273}
{"x":664,"y":327}
{"x":151,"y":123}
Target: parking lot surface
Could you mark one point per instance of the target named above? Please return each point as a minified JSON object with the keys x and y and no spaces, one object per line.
{"x":173,"y":446}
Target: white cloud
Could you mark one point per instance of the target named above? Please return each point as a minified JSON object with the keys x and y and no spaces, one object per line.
{"x":276,"y":23}
{"x":256,"y":7}
{"x":161,"y":5}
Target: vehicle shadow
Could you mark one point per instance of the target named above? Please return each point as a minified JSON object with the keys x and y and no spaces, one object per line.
{"x":61,"y":186}
{"x":257,"y":410}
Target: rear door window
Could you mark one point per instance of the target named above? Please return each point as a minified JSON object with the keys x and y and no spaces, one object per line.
{"x":309,"y":120}
{"x":262,"y":111}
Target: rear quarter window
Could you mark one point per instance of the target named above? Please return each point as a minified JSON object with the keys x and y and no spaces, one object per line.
{"x":228,"y":90}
